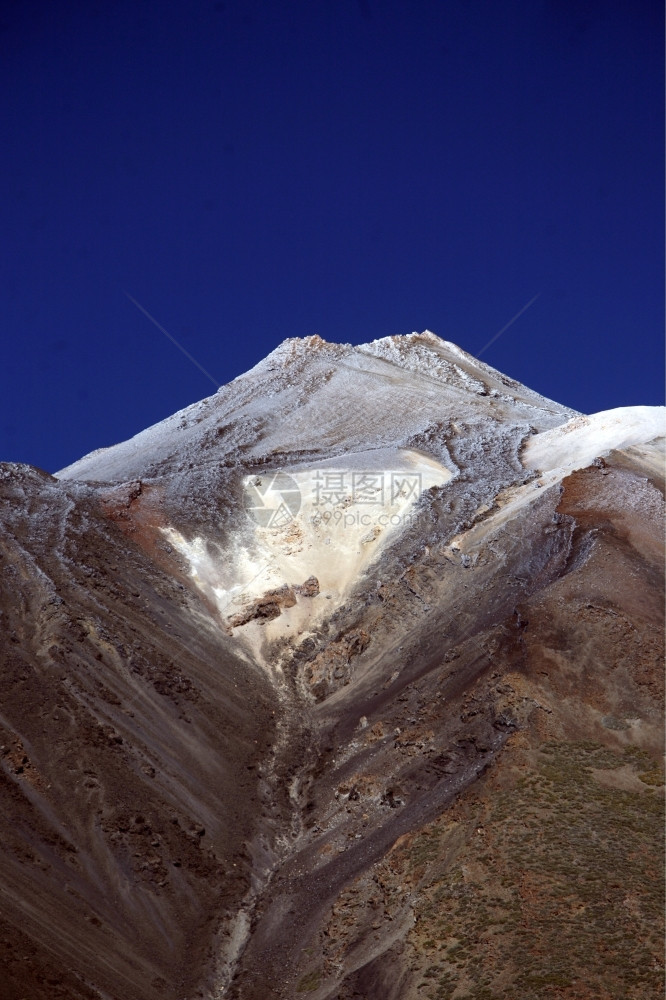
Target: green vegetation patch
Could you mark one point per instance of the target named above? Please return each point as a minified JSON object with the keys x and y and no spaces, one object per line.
{"x":309,"y":982}
{"x":559,"y":893}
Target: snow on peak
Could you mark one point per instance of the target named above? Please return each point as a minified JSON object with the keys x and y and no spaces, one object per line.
{"x":339,"y":448}
{"x":313,"y":398}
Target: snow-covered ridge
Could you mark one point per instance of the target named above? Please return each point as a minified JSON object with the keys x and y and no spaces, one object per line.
{"x":580,"y":441}
{"x":307,"y":391}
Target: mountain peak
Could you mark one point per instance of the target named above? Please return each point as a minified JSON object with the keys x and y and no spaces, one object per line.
{"x":326,"y":455}
{"x":373,"y":634}
{"x":372,"y":395}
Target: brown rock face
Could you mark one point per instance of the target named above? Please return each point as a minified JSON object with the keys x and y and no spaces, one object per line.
{"x":129,"y":743}
{"x":439,"y":778}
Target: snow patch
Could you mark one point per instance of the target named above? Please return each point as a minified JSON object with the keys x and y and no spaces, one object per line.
{"x":329,"y":522}
{"x":576,"y":444}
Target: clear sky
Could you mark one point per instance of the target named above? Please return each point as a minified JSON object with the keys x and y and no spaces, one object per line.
{"x":251,"y":170}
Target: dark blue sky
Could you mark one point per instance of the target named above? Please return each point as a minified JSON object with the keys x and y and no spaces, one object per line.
{"x":253,"y":170}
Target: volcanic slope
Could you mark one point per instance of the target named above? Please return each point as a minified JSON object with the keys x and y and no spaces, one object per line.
{"x":345,"y":682}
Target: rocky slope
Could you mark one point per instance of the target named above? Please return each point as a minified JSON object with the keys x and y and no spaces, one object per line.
{"x":345,"y":682}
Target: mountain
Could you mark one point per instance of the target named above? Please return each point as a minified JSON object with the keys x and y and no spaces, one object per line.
{"x":345,"y":682}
